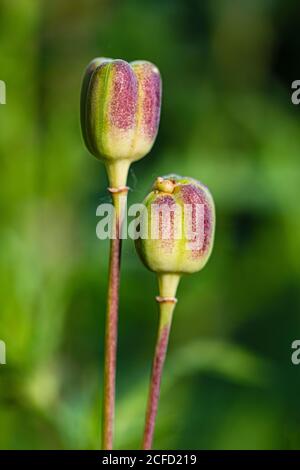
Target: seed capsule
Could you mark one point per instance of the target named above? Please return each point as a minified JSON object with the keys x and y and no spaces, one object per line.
{"x":120,"y":108}
{"x":180,"y":221}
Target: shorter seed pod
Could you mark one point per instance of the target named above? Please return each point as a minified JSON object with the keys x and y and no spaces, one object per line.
{"x":180,"y":220}
{"x":176,"y":238}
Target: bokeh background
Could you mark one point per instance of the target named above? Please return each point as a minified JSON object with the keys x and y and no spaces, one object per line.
{"x":227,"y":119}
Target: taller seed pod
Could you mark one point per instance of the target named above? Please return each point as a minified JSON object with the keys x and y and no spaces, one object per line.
{"x":120,"y":111}
{"x":177,"y":238}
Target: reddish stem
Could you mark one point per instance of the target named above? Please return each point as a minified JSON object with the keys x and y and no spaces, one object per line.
{"x":111,"y":327}
{"x":111,"y":337}
{"x":165,"y":321}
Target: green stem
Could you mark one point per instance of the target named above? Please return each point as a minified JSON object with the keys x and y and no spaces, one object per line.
{"x":167,"y":288}
{"x":117,"y":173}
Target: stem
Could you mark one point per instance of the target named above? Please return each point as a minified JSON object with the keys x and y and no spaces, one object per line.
{"x":167,"y":288}
{"x":117,"y":179}
{"x":111,"y":335}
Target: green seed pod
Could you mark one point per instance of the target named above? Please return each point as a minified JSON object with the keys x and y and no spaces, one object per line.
{"x":176,"y":238}
{"x":180,"y":221}
{"x":120,"y":108}
{"x":83,"y":97}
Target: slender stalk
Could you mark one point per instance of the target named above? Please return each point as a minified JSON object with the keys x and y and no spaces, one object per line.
{"x":117,"y":178}
{"x":111,"y":337}
{"x":167,"y":288}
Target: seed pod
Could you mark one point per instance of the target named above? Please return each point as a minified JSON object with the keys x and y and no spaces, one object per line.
{"x":120,"y":108}
{"x":83,"y":97}
{"x":180,"y":221}
{"x":177,"y":238}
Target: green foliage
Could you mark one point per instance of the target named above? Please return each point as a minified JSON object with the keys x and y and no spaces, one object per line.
{"x":228,"y":121}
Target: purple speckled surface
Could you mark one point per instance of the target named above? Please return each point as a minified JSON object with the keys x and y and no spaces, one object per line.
{"x":192,"y":194}
{"x":123,"y":105}
{"x":151,"y":84}
{"x":166,"y":232}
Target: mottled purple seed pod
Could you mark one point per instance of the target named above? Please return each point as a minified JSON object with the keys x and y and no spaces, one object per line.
{"x":120,"y":108}
{"x":184,"y":235}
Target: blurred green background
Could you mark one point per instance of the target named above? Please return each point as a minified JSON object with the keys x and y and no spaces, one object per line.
{"x":227,"y":119}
